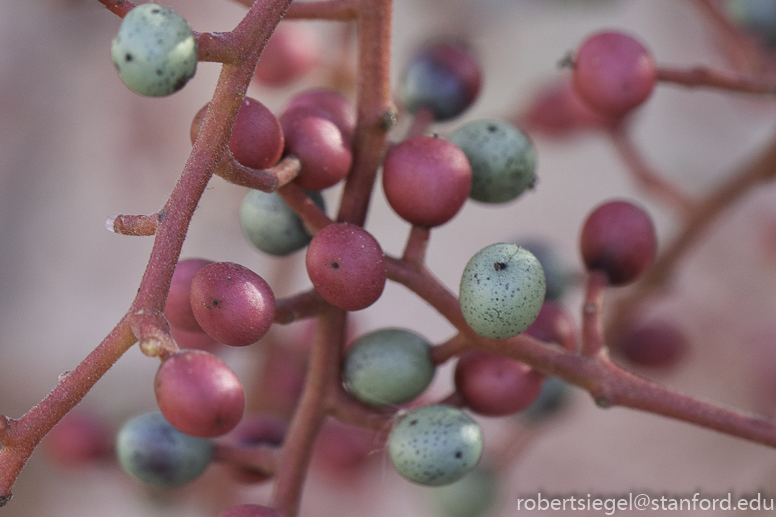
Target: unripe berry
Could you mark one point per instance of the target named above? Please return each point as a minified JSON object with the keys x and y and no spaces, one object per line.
{"x":154,"y":52}
{"x":613,"y":73}
{"x":234,"y":305}
{"x":257,"y":137}
{"x":445,"y":78}
{"x":389,"y":366}
{"x":435,"y":445}
{"x":502,"y":290}
{"x":346,"y":266}
{"x":199,"y":394}
{"x":426,"y":180}
{"x":502,"y":158}
{"x":619,"y":239}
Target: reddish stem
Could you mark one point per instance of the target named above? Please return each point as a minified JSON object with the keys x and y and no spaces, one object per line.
{"x":417,"y":243}
{"x":314,"y":218}
{"x":592,"y":312}
{"x":266,"y":180}
{"x":704,"y":76}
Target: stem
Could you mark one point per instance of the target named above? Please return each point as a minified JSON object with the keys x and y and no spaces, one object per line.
{"x":704,"y":76}
{"x":417,"y":243}
{"x":592,"y":309}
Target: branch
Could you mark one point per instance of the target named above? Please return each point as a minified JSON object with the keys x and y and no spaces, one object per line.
{"x":704,"y":76}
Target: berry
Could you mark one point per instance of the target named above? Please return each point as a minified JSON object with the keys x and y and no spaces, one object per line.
{"x":435,"y":445}
{"x":333,"y":105}
{"x":319,"y":144}
{"x":558,"y":111}
{"x":250,"y":510}
{"x":502,"y":290}
{"x":471,"y":496}
{"x":178,"y":307}
{"x":757,"y":17}
{"x":257,"y":137}
{"x":445,"y":78}
{"x":552,"y":398}
{"x":346,"y":266}
{"x":199,"y":394}
{"x":231,"y":303}
{"x":554,"y":324}
{"x":502,"y":158}
{"x":656,"y":344}
{"x":555,"y":271}
{"x":154,"y":452}
{"x":80,"y":438}
{"x":494,"y":385}
{"x":273,"y":226}
{"x":613,"y":73}
{"x":193,"y":340}
{"x":343,"y":451}
{"x":291,"y":53}
{"x":619,"y":239}
{"x":426,"y":180}
{"x":388,"y":367}
{"x":154,"y":52}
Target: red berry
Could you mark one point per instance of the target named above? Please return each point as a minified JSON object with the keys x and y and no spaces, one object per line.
{"x":619,"y":239}
{"x":178,"y":308}
{"x":257,"y":137}
{"x":613,"y":73}
{"x":343,"y":451}
{"x":193,"y":340}
{"x":558,"y":111}
{"x":426,"y":180}
{"x":199,"y":394}
{"x":232,"y":304}
{"x":554,"y":324}
{"x":80,"y":438}
{"x":291,"y":53}
{"x":337,"y":108}
{"x":346,"y":266}
{"x":656,"y":344}
{"x":493,"y":385}
{"x":319,"y":144}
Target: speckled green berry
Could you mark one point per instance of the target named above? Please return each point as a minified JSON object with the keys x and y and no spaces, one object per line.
{"x":502,"y":290}
{"x":435,"y":445}
{"x":154,"y":52}
{"x":502,"y":158}
{"x":388,"y":367}
{"x":273,"y":226}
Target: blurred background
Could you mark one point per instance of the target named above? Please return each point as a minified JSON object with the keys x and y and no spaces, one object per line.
{"x":77,"y":147}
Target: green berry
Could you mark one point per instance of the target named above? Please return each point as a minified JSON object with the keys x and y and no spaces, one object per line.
{"x":273,"y":226}
{"x":154,"y":52}
{"x":502,"y":290}
{"x":435,"y":445}
{"x":471,"y":496}
{"x":502,"y":158}
{"x":388,"y":367}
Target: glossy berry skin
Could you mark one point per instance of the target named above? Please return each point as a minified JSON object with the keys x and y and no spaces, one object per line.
{"x":619,"y":239}
{"x":319,"y":144}
{"x":251,"y":510}
{"x":199,"y":394}
{"x":388,"y":367}
{"x":234,"y":305}
{"x":154,"y":52}
{"x":177,"y":310}
{"x":273,"y":226}
{"x":655,"y":344}
{"x":257,"y":137}
{"x":291,"y":53}
{"x":150,"y":449}
{"x":346,"y":266}
{"x":435,"y":445}
{"x":502,"y":290}
{"x":502,"y":158}
{"x":426,"y":180}
{"x":613,"y":73}
{"x":333,"y":105}
{"x":444,"y":78}
{"x":494,"y":385}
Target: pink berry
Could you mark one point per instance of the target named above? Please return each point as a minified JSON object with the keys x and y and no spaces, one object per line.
{"x":257,"y":137}
{"x":81,"y":437}
{"x":613,"y":73}
{"x":234,"y":305}
{"x":554,"y":324}
{"x":346,"y":266}
{"x":619,"y":239}
{"x":343,"y":451}
{"x":336,"y":107}
{"x":178,"y":308}
{"x":319,"y":144}
{"x":558,"y":111}
{"x":426,"y":180}
{"x":199,"y":394}
{"x":656,"y":344}
{"x":292,"y":52}
{"x":493,"y":385}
